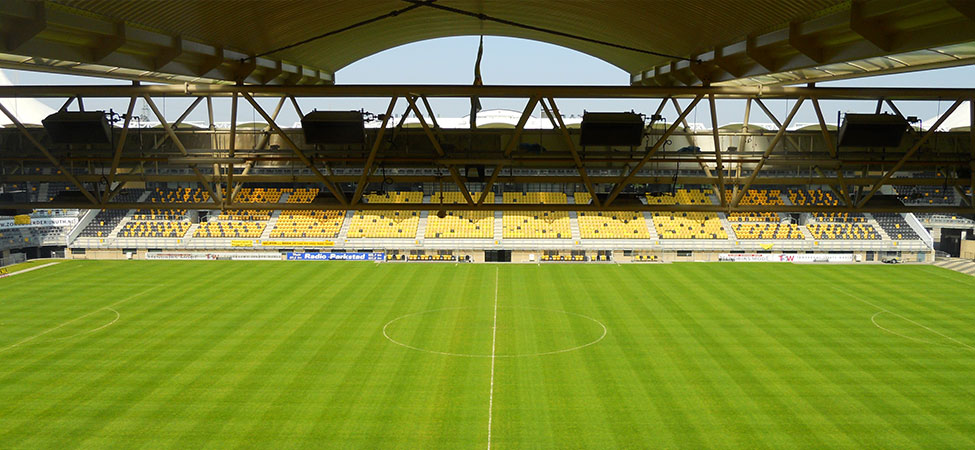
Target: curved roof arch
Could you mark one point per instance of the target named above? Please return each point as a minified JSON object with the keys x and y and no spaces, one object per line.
{"x":717,"y":41}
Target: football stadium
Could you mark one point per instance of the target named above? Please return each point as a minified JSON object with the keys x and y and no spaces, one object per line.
{"x":218,"y":230}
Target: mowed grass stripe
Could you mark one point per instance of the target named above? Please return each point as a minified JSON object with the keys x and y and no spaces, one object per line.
{"x":111,"y":380}
{"x":292,"y":354}
{"x":754,"y":390}
{"x":909,"y":381}
{"x":845,"y":342}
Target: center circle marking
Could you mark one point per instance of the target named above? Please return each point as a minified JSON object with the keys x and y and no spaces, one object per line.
{"x":471,"y":355}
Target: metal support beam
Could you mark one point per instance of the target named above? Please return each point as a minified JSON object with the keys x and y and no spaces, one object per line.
{"x":701,"y":163}
{"x":512,"y":142}
{"x":717,"y":151}
{"x":454,"y":173}
{"x":768,"y":151}
{"x":67,"y":174}
{"x":503,"y":207}
{"x":118,"y":150}
{"x":297,"y":151}
{"x":741,"y":139}
{"x":179,"y":121}
{"x":890,"y":173}
{"x":555,"y":116}
{"x":179,"y":146}
{"x":378,"y":142}
{"x":462,"y":91}
{"x":656,"y":146}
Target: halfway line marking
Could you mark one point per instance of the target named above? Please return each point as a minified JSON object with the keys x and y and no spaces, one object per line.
{"x":494,"y":336}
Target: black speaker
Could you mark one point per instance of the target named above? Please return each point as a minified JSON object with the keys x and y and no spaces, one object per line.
{"x":334,"y":127}
{"x":612,"y":129}
{"x":871,"y":130}
{"x":75,"y":127}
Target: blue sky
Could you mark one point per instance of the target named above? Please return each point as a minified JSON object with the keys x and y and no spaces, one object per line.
{"x":518,"y":61}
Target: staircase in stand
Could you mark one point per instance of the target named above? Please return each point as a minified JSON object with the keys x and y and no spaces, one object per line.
{"x":421,"y":226}
{"x":344,"y":231}
{"x":498,"y":225}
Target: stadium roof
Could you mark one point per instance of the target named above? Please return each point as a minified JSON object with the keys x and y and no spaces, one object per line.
{"x":659,"y":43}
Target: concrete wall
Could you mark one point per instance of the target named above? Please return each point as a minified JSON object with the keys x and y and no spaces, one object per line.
{"x":968,"y":249}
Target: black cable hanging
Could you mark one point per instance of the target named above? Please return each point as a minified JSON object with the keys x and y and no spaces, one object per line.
{"x":485,"y":17}
{"x":415,"y":4}
{"x":388,"y":15}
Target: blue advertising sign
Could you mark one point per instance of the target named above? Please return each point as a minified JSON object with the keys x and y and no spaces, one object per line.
{"x":336,"y":256}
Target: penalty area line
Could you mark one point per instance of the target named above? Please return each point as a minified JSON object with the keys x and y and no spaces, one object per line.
{"x":109,"y":307}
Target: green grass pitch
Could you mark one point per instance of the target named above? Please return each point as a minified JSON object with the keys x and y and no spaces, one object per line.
{"x":362,"y":355}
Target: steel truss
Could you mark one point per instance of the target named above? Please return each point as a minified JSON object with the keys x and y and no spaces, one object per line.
{"x":222,"y":169}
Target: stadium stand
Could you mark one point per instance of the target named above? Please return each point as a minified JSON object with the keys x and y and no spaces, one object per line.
{"x":255,"y":195}
{"x":154,"y":229}
{"x":895,"y":226}
{"x":757,"y":197}
{"x":178,"y":195}
{"x":387,"y":224}
{"x":767,"y":230}
{"x":610,"y":224}
{"x":107,"y":219}
{"x":820,"y":197}
{"x":536,"y":224}
{"x":55,"y":188}
{"x":686,"y":225}
{"x":218,"y":229}
{"x":309,"y":223}
{"x":460,"y":224}
{"x":843,"y":230}
{"x":927,"y":195}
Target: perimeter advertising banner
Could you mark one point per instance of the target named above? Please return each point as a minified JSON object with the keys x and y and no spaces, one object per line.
{"x":43,"y":222}
{"x":190,"y":256}
{"x":787,"y":257}
{"x":334,"y":256}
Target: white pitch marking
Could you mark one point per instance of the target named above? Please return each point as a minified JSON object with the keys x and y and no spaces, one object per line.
{"x":29,"y":269}
{"x":909,"y":320}
{"x":494,"y":335}
{"x":26,"y":340}
{"x":516,"y":355}
{"x":117,"y":317}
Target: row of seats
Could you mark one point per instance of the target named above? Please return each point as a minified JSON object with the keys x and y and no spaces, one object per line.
{"x":460,"y":224}
{"x":535,"y":224}
{"x":430,"y":257}
{"x":686,"y":225}
{"x":154,"y":229}
{"x":308,"y":223}
{"x":756,"y":197}
{"x":107,"y":219}
{"x":646,"y":258}
{"x":255,"y":195}
{"x":314,"y":223}
{"x":819,"y":197}
{"x":563,"y":258}
{"x":610,"y":224}
{"x":178,"y":195}
{"x":767,"y":230}
{"x":229,"y":230}
{"x":389,"y":223}
{"x":895,"y":226}
{"x":845,"y":231}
